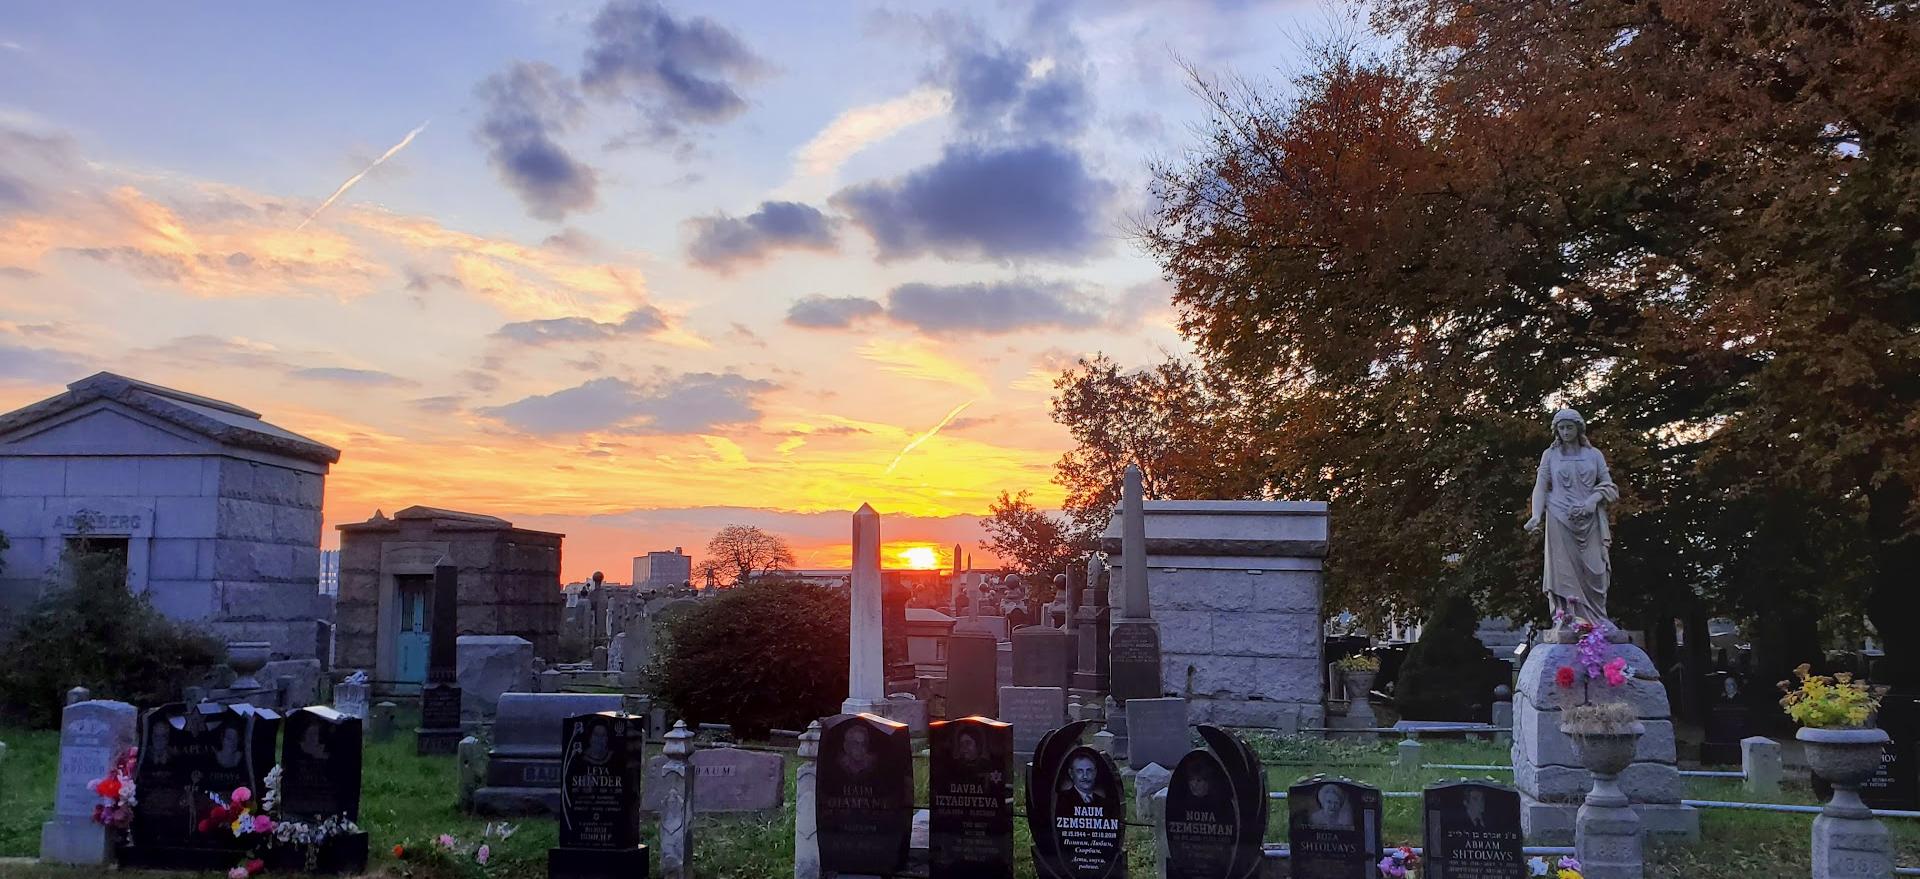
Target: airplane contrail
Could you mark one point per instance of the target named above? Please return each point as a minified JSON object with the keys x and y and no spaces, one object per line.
{"x":363,"y":172}
{"x":928,"y":435}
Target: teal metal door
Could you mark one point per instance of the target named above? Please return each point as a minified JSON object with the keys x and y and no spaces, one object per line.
{"x":411,"y":638}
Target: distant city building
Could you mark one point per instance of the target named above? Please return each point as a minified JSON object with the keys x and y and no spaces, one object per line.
{"x":330,"y":572}
{"x":658,"y":570}
{"x":215,"y":512}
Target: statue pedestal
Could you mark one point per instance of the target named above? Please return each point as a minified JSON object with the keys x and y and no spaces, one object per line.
{"x":1547,"y":770}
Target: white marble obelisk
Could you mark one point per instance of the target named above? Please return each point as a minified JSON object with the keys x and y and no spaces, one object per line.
{"x":866,"y":661}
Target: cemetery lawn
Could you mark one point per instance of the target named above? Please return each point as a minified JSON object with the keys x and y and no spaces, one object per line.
{"x":409,"y":800}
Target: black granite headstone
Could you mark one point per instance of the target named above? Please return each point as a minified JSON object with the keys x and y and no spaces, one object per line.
{"x":1203,"y":819}
{"x":440,"y":731}
{"x":191,"y":755}
{"x":319,"y":779}
{"x":1472,"y":831}
{"x":864,"y":794}
{"x":1133,"y":651}
{"x":1333,"y":829}
{"x":970,"y":784}
{"x":1076,"y":808}
{"x":602,"y":764}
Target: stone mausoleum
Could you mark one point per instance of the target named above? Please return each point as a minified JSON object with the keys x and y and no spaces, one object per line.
{"x":216,"y":512}
{"x":1235,"y":587}
{"x":509,"y":585}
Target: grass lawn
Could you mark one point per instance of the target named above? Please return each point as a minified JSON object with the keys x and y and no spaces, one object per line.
{"x":409,"y":800}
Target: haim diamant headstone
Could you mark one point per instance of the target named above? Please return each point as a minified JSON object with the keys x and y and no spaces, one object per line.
{"x":970,"y":788}
{"x":602,"y":760}
{"x":1473,"y":831}
{"x":1076,"y":808}
{"x":864,"y":795}
{"x":1333,"y":829}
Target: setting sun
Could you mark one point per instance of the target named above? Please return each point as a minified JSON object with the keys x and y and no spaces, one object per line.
{"x":920,"y":558}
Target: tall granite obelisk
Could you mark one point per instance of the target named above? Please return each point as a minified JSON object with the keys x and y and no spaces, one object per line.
{"x":439,"y":731}
{"x":1133,"y":647}
{"x":866,"y":658}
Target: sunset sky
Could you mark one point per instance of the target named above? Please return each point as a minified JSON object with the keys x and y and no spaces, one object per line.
{"x":627,"y":271}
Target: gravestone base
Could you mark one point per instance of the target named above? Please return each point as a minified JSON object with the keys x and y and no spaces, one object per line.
{"x":1850,"y":848}
{"x":1547,"y":770}
{"x":597,"y":863}
{"x":344,"y":855}
{"x":70,"y":841}
{"x":163,"y":857}
{"x":1608,"y":842}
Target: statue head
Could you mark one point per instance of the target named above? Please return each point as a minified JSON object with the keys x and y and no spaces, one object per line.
{"x":1569,"y":427}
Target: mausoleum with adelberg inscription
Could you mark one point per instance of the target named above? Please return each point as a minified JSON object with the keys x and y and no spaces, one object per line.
{"x":508,"y":582}
{"x":216,"y":511}
{"x":1235,"y":588}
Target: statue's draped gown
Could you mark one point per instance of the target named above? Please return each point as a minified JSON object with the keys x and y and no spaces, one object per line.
{"x":1577,"y":570}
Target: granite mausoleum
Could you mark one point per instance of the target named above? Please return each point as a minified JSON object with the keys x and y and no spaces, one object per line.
{"x":509,"y":585}
{"x":1235,"y":589}
{"x":216,"y":511}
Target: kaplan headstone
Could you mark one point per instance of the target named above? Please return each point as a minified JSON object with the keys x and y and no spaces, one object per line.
{"x":1333,"y":829}
{"x":726,"y":781}
{"x":1033,"y":712}
{"x":1157,"y":731}
{"x":1076,"y":811}
{"x":971,"y":689}
{"x":970,"y":791}
{"x":320,"y":767}
{"x":1133,"y":660}
{"x":864,"y":797}
{"x":93,"y":736}
{"x":600,"y":770}
{"x":190,"y":753}
{"x":1473,"y":831}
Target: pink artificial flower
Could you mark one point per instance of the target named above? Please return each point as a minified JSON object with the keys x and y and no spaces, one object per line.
{"x":262,"y":824}
{"x":241,"y":795}
{"x":1616,"y":671}
{"x":239,"y":872}
{"x":445,"y":840}
{"x":1391,"y":868}
{"x":483,"y":854}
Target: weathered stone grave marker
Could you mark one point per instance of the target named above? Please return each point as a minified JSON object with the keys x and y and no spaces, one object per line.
{"x":93,"y":735}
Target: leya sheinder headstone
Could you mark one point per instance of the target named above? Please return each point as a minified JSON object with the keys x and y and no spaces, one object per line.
{"x":970,"y":786}
{"x":1333,"y":829}
{"x":1473,"y":831}
{"x":320,"y":779}
{"x":1216,"y":810}
{"x":93,"y":734}
{"x":603,"y":758}
{"x":1076,"y":808}
{"x":864,"y":795}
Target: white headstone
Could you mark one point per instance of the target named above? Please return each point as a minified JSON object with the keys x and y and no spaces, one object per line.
{"x":866,"y":671}
{"x":92,"y":735}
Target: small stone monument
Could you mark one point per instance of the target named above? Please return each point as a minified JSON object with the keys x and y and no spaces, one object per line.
{"x":439,"y":731}
{"x":93,"y":735}
{"x":806,"y":823}
{"x":1473,"y":831}
{"x":350,"y":695}
{"x":1333,"y":827}
{"x":604,"y":753}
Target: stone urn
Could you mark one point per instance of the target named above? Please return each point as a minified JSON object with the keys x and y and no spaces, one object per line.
{"x":1606,"y":752}
{"x":1845,"y":758}
{"x":1358,"y":684}
{"x":246,"y":658}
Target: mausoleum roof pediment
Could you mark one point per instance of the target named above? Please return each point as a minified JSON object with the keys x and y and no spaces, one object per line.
{"x":224,"y":423}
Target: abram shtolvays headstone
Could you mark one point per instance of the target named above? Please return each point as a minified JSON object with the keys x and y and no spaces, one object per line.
{"x":1472,"y":831}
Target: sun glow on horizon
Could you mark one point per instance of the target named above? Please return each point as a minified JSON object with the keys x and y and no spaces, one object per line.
{"x":920,"y":558}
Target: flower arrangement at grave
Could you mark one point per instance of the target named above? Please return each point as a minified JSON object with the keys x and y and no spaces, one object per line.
{"x":447,"y":852}
{"x":1400,"y":863}
{"x":239,"y":814}
{"x":1590,"y":659}
{"x":116,"y":792}
{"x":1562,"y":867}
{"x":1359,"y":662}
{"x":309,"y":835}
{"x":1823,"y":702}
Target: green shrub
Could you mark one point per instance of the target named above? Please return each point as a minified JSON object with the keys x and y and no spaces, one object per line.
{"x":1448,"y":674}
{"x":760,"y":656}
{"x":90,"y":631}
